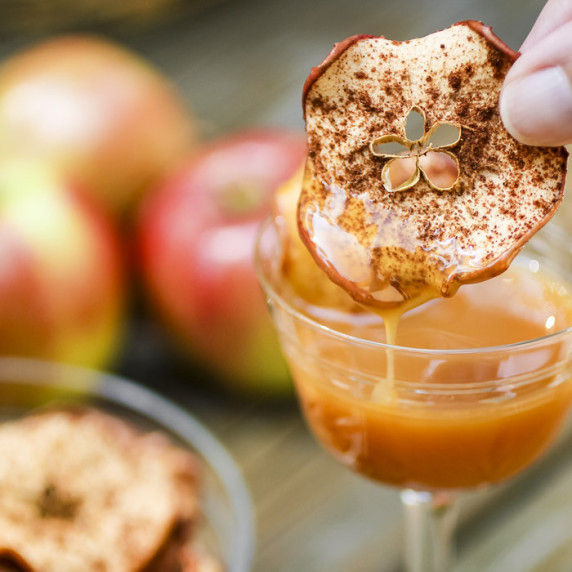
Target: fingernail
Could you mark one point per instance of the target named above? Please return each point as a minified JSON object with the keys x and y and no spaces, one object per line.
{"x":537,"y":109}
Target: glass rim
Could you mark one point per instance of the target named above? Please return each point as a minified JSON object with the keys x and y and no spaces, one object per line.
{"x":272,"y":293}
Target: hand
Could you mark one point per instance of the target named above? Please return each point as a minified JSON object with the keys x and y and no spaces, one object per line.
{"x":536,"y":100}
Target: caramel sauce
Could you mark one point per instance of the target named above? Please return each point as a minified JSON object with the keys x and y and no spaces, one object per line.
{"x":399,"y":222}
{"x":453,"y":439}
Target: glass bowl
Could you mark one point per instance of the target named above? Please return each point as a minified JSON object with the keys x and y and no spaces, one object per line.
{"x":227,"y":527}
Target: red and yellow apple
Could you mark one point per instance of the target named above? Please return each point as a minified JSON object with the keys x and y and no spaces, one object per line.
{"x":61,"y":273}
{"x":96,"y":111}
{"x":196,"y":239}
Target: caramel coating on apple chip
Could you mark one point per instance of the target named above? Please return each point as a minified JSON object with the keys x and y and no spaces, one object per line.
{"x":394,"y":217}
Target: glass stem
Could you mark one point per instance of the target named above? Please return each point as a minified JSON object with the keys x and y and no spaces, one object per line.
{"x":430,"y":520}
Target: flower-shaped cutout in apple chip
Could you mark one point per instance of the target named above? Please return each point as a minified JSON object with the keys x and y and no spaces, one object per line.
{"x":421,"y":153}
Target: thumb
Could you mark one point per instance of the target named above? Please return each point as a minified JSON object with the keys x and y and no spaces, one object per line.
{"x":536,"y":99}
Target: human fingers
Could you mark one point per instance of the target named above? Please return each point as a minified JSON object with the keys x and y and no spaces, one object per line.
{"x":536,"y":99}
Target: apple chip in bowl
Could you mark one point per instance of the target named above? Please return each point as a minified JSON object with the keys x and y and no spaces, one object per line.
{"x":108,"y":476}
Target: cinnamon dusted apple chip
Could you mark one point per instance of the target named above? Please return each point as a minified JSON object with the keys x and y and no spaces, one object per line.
{"x":81,"y":490}
{"x":412,"y":185}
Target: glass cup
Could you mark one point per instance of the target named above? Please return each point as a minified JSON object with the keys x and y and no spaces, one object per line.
{"x":226,"y":527}
{"x":449,"y":420}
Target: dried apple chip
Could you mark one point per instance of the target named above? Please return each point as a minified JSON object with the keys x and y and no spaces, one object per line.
{"x":412,"y":185}
{"x":83,"y":490}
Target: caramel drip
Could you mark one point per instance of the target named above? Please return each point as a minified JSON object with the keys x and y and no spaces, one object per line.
{"x":386,"y":392}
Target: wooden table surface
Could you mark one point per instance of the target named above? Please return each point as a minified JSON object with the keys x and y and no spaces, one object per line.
{"x":240,"y":64}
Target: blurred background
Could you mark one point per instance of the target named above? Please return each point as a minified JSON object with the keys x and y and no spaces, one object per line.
{"x":243,"y":63}
{"x":116,"y":284}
